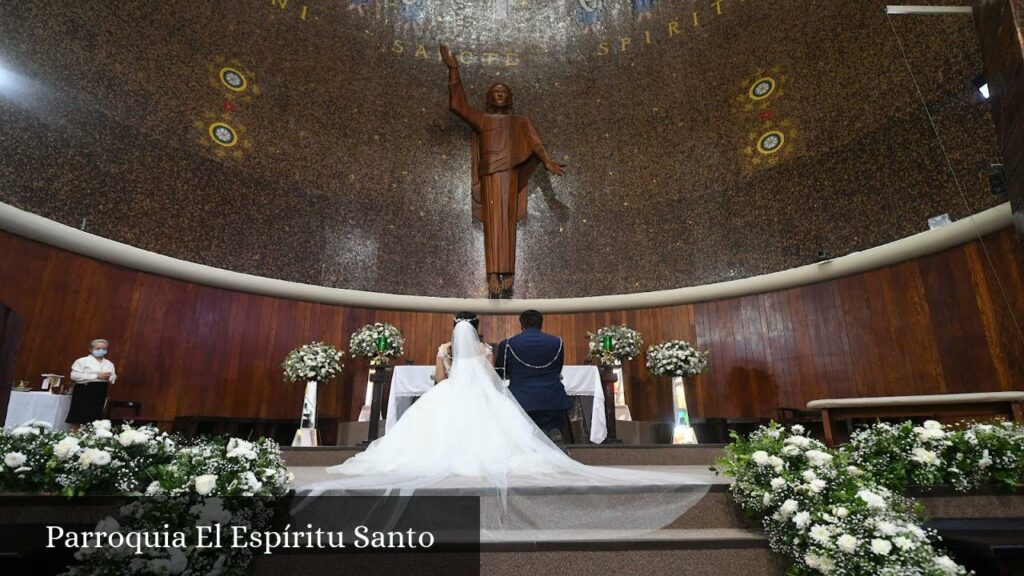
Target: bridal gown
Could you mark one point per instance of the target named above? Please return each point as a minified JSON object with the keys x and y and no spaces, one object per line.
{"x":469,"y":432}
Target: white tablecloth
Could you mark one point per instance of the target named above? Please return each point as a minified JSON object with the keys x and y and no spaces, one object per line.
{"x":409,"y":381}
{"x":26,"y":406}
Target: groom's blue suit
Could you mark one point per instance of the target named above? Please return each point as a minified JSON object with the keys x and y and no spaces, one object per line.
{"x":532,"y":362}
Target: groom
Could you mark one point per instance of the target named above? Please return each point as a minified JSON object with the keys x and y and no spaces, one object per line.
{"x":532,"y":362}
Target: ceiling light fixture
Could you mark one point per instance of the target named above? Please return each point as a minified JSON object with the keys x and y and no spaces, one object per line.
{"x":982,"y":85}
{"x":928,"y":10}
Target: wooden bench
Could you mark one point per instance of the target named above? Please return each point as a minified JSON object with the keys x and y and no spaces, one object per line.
{"x":1008,"y":405}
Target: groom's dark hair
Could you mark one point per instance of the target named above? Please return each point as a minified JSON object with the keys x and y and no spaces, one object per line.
{"x":531,"y":319}
{"x":468,"y":316}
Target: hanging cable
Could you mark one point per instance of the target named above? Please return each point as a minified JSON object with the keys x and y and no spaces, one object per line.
{"x":956,"y":180}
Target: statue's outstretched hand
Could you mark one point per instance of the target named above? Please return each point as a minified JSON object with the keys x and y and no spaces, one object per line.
{"x":446,"y":56}
{"x":555,"y":168}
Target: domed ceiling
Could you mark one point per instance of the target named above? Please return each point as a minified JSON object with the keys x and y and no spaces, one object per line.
{"x":311,"y":140}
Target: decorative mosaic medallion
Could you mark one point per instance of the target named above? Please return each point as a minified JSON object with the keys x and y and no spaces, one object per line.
{"x":762,"y":88}
{"x":233,"y":79}
{"x":771,"y":142}
{"x":223,"y":134}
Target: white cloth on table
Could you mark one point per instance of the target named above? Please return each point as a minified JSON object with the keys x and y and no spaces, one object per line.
{"x":87,"y":369}
{"x":409,"y":381}
{"x":24,"y":407}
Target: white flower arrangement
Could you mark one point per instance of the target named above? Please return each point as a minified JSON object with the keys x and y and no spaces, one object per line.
{"x":826,"y":517}
{"x":317,"y":361}
{"x":935,"y":455}
{"x":135,"y":461}
{"x":179,"y":483}
{"x":625,"y":344}
{"x":363,"y":343}
{"x":676,"y":358}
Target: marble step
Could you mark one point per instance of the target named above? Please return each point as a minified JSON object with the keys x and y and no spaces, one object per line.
{"x":603,"y":455}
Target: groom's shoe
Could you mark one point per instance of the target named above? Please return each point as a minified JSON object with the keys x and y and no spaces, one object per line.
{"x":556,"y":437}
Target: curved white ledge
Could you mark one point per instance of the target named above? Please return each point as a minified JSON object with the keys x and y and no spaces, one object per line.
{"x":53,"y":233}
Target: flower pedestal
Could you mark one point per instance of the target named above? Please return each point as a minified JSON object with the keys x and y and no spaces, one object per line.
{"x":307,"y":434}
{"x":608,"y":380}
{"x":378,"y":377}
{"x":682,"y":432}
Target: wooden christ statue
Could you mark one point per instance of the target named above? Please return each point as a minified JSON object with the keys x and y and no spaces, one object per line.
{"x":505,"y":151}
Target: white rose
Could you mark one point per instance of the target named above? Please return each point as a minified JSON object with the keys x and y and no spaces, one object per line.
{"x":778,"y":483}
{"x":24,"y":431}
{"x":93,"y":457}
{"x":102,"y":433}
{"x":802,"y":520}
{"x":251,"y":481}
{"x":818,"y":458}
{"x":789,"y":507}
{"x":210,"y":512}
{"x":108,"y":525}
{"x":809,"y":475}
{"x":760,"y":458}
{"x":926,"y":457}
{"x":154,"y":488}
{"x":886,"y":528}
{"x":790,"y":450}
{"x":777,"y":463}
{"x":205,"y":484}
{"x":101,"y":425}
{"x":842,"y":512}
{"x":847,"y":543}
{"x":14,"y":459}
{"x":238,"y":448}
{"x":874,"y":501}
{"x":66,"y":448}
{"x":130,"y":437}
{"x":854,"y":471}
{"x":947,"y":564}
{"x":178,"y":561}
{"x":818,"y":485}
{"x":880,"y":546}
{"x":798,"y":441}
{"x":985,"y":461}
{"x":903,"y":543}
{"x":932,"y":425}
{"x":916,"y":531}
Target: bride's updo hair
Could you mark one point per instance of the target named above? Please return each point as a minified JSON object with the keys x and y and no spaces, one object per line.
{"x":467,"y":316}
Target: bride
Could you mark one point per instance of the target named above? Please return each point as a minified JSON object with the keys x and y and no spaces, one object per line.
{"x":468,"y":434}
{"x":468,"y":425}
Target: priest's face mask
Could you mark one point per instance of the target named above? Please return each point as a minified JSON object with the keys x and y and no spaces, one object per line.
{"x":499,"y":97}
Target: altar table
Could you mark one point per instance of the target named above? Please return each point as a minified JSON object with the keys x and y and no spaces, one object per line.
{"x":44,"y":406}
{"x":408,"y":382}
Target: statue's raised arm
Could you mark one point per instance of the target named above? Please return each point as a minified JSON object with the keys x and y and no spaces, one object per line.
{"x":456,"y":94}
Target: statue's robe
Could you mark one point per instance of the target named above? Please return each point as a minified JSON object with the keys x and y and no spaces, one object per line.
{"x":505,"y":150}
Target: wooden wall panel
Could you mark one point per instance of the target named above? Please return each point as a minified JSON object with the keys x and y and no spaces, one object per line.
{"x":936,"y":324}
